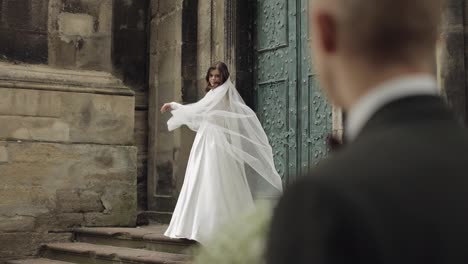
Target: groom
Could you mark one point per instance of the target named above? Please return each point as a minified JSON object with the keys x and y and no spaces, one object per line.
{"x":398,"y":191}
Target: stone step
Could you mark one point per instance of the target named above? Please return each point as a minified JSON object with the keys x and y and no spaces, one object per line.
{"x":37,"y":261}
{"x":145,"y":237}
{"x":100,"y":254}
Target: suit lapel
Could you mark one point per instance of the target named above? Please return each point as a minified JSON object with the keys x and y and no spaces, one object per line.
{"x":406,"y":111}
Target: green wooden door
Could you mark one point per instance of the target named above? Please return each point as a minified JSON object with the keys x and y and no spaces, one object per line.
{"x":290,"y":105}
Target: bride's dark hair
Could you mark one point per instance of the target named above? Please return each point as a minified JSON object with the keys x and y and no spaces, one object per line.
{"x":223,"y":71}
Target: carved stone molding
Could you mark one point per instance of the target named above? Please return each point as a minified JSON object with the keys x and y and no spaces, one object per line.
{"x":41,"y":77}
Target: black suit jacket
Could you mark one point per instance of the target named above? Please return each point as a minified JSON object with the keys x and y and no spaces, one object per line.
{"x":397,"y":194}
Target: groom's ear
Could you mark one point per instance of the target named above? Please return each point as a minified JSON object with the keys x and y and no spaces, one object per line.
{"x":326,"y":27}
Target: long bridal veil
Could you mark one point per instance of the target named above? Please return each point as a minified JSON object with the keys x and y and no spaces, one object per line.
{"x":244,"y":140}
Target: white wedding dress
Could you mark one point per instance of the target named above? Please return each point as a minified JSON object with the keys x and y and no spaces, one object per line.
{"x":230,"y":164}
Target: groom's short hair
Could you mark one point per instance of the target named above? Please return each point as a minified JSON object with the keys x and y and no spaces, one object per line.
{"x":386,"y":30}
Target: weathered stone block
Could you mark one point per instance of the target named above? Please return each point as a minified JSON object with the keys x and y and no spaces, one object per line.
{"x":29,"y":103}
{"x":204,"y":57}
{"x":39,"y":10}
{"x":61,"y":53}
{"x":167,"y":7}
{"x":81,"y":34}
{"x":54,"y":237}
{"x":17,"y":224}
{"x":169,"y":31}
{"x":42,"y":78}
{"x":154,"y":8}
{"x":31,"y":128}
{"x":166,"y":92}
{"x":24,"y":207}
{"x":204,"y":20}
{"x":18,"y":244}
{"x":95,"y":53}
{"x":168,"y":70}
{"x":166,"y":142}
{"x":115,"y":214}
{"x":23,"y":244}
{"x":93,"y":118}
{"x":78,"y":201}
{"x":77,"y":117}
{"x":59,"y":222}
{"x":105,"y":16}
{"x":3,"y":154}
{"x":61,"y":182}
{"x":73,"y":26}
{"x":141,"y":130}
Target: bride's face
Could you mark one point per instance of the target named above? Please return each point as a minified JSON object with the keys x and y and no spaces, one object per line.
{"x":215,"y":78}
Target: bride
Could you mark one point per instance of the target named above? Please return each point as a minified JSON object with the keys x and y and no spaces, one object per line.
{"x":230,"y":164}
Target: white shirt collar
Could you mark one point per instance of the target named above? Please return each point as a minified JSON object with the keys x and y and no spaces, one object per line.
{"x":391,"y":90}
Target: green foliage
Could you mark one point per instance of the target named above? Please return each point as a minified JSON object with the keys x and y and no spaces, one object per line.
{"x":241,"y":241}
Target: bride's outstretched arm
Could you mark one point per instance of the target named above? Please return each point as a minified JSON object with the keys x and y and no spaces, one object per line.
{"x":170,"y":106}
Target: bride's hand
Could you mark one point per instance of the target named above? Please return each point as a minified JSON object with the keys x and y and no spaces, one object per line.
{"x":166,"y":107}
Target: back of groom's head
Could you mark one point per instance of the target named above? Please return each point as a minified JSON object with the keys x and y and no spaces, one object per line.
{"x":387,"y":29}
{"x":357,"y":44}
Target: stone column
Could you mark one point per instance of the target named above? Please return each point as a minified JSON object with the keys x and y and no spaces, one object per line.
{"x":211,"y":37}
{"x":168,"y":151}
{"x":218,"y":31}
{"x":451,"y":57}
{"x":205,"y":42}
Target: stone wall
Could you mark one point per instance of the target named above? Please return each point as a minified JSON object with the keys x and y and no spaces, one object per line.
{"x":205,"y":45}
{"x":105,"y":35}
{"x":452,"y":57}
{"x":66,"y":155}
{"x":130,"y":63}
{"x":80,"y":34}
{"x":23,"y":30}
{"x":166,"y":86}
